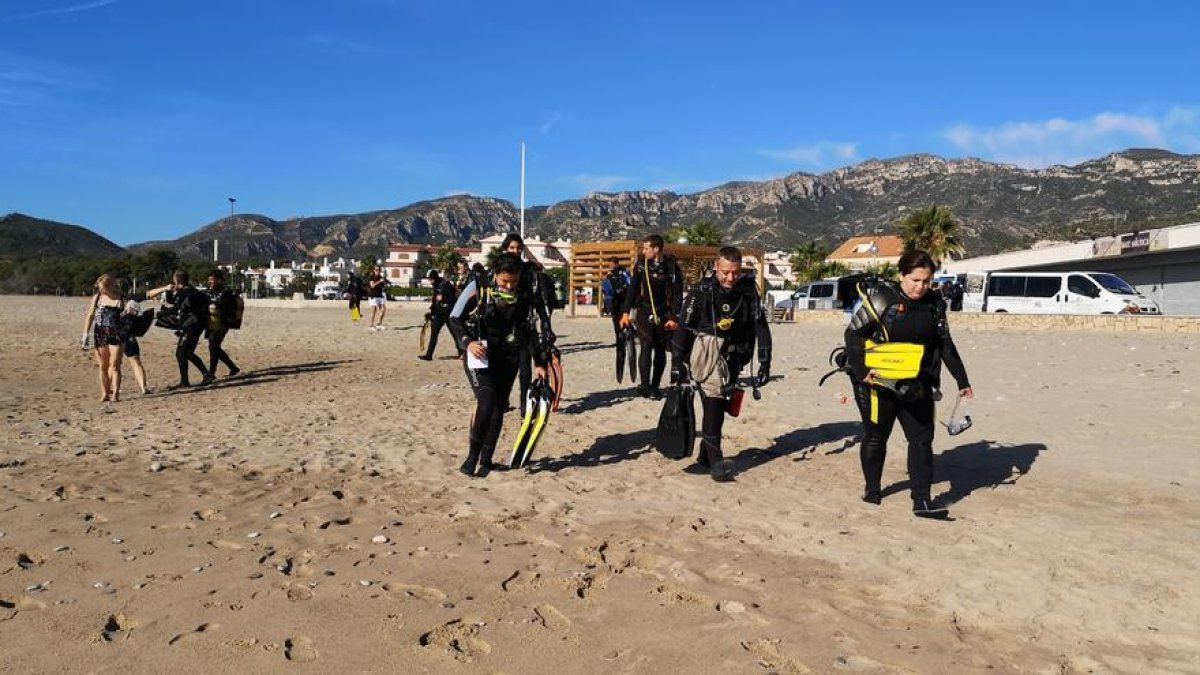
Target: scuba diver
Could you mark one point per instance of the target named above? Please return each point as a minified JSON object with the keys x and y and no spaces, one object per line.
{"x":495,"y":325}
{"x":531,"y":289}
{"x":441,"y":301}
{"x":656,"y":292}
{"x":614,"y":287}
{"x":722,"y":320}
{"x":897,"y":340}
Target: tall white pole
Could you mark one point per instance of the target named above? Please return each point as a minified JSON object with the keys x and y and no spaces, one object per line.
{"x":215,"y":241}
{"x":522,"y":191}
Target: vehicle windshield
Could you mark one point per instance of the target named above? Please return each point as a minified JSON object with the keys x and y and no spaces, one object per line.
{"x":802,"y":293}
{"x":1113,"y":284}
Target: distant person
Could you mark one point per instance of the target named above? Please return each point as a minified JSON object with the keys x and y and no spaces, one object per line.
{"x":221,"y":308}
{"x":192,"y":305}
{"x":441,"y":301}
{"x":462,"y":275}
{"x":106,"y":330}
{"x":133,"y":350}
{"x":355,"y":292}
{"x":377,"y":297}
{"x":656,"y":292}
{"x":614,"y":287}
{"x":903,"y":379}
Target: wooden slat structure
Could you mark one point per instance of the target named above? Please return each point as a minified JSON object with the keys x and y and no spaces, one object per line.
{"x":589,"y":263}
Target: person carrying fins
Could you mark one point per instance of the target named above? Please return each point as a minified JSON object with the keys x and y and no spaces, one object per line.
{"x":896,"y":341}
{"x":656,"y":292}
{"x":721,"y":322}
{"x":495,"y":325}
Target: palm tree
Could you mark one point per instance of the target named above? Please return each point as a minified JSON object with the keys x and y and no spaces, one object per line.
{"x":700,"y":233}
{"x":934,"y":230}
{"x":805,"y":258}
{"x":446,"y":257}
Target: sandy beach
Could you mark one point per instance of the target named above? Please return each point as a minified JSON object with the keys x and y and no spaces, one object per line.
{"x":307,"y":516}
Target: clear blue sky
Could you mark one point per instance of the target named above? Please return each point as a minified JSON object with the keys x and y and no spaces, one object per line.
{"x":139,"y":118}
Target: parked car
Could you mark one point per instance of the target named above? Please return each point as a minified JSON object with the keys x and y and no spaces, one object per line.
{"x":327,"y":290}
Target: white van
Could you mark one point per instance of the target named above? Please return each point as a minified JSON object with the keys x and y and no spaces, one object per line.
{"x":327,"y":290}
{"x":1058,"y":293}
{"x":821,"y":294}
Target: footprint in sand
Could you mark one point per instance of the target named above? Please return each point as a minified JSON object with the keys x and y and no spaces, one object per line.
{"x":459,"y":639}
{"x":770,"y":657}
{"x":115,"y":626}
{"x":202,"y":628}
{"x":552,"y":618}
{"x":521,"y":581}
{"x":677,"y":595}
{"x":299,"y":649}
{"x":412,"y":590}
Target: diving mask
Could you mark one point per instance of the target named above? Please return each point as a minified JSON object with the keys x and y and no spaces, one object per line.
{"x":503,"y":296}
{"x":956,"y":425}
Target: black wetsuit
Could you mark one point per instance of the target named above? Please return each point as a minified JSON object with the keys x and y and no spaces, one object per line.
{"x":440,"y":304}
{"x":736,"y":318}
{"x":531,"y":289}
{"x":193,"y":319}
{"x":656,"y":292}
{"x":509,"y":331}
{"x":618,"y":284}
{"x":912,"y":402}
{"x":221,"y":311}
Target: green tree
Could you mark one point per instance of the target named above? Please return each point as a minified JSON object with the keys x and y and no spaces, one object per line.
{"x":805,"y":259}
{"x":826,"y":270}
{"x":884,"y":270}
{"x":934,"y":230}
{"x":699,"y":233}
{"x":491,"y":257}
{"x":446,"y":257}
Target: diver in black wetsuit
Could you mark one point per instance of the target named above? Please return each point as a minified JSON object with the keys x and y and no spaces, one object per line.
{"x":531,"y":290}
{"x":656,"y":291}
{"x":441,"y":301}
{"x":722,"y":320}
{"x":494,"y":323}
{"x":904,"y":314}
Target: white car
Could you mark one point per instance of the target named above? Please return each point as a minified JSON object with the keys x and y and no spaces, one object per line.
{"x":327,"y":290}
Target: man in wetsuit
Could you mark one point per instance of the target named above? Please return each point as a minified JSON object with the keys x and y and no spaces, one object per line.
{"x":440,"y":304}
{"x":193,"y":318}
{"x":222,"y":302}
{"x":656,"y":291}
{"x":615,"y":287}
{"x":721,"y":322}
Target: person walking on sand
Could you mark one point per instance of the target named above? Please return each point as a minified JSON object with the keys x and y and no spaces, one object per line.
{"x":222,"y":304}
{"x":495,"y":325}
{"x":440,"y":303}
{"x":721,"y":323}
{"x":106,"y":330}
{"x":896,"y":342}
{"x":377,"y":297}
{"x":193,"y":318}
{"x":133,"y":350}
{"x":656,"y":292}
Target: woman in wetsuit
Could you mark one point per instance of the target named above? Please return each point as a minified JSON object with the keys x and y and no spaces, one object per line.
{"x":495,"y":323}
{"x":106,"y":329}
{"x":892,"y":324}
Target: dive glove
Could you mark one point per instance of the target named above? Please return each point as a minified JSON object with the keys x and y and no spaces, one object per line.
{"x":679,"y":373}
{"x":764,"y":368}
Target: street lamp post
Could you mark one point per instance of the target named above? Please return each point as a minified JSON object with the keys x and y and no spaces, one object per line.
{"x":232,"y":201}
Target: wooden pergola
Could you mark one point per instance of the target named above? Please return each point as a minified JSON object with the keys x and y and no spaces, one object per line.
{"x":590,"y":264}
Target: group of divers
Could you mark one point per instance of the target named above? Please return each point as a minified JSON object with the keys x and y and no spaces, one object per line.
{"x":896,"y":341}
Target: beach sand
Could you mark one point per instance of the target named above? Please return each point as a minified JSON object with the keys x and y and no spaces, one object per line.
{"x":308,"y":515}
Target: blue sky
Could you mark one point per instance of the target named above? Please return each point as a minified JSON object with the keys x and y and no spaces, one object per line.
{"x":139,"y":118}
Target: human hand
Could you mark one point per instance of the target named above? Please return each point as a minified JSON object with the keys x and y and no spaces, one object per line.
{"x":966,"y":393}
{"x":671,"y":324}
{"x":764,"y":375}
{"x":539,"y":372}
{"x":477,"y":349}
{"x":870,"y":378}
{"x":84,"y":341}
{"x":625,"y":321}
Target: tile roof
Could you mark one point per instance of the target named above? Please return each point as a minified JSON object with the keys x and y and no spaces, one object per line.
{"x":890,"y":246}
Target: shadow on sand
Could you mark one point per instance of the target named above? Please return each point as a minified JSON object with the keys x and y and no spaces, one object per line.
{"x":582,"y":347}
{"x":605,"y":450}
{"x":804,"y":441}
{"x":251,"y":377}
{"x":599,"y":399}
{"x":970,"y":467}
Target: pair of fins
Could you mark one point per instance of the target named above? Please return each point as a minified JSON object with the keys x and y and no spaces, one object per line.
{"x":538,"y":402}
{"x":554,"y":371}
{"x":892,"y":362}
{"x":676,"y":433}
{"x":627,"y":352}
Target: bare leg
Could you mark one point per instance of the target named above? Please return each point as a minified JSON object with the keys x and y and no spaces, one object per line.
{"x":139,"y":371}
{"x":102,"y":366}
{"x":114,"y":371}
{"x":382,"y":313}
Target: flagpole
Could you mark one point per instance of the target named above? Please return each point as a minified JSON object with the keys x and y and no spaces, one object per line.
{"x":522,"y":190}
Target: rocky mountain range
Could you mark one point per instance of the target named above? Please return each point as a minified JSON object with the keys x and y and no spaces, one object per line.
{"x":1001,"y":206}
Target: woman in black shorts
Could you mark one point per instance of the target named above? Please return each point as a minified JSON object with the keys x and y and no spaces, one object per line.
{"x":106,"y":328}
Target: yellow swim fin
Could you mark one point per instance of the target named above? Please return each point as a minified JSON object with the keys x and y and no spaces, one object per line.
{"x":894,"y":360}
